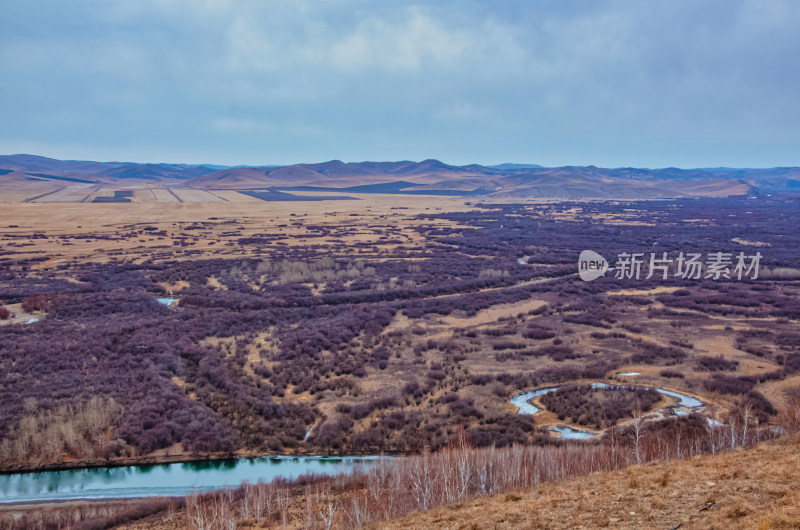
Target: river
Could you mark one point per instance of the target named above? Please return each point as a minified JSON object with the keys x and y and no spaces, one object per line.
{"x":685,"y":405}
{"x":164,"y":479}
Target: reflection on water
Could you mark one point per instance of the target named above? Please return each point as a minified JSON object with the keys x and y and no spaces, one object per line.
{"x":164,"y":479}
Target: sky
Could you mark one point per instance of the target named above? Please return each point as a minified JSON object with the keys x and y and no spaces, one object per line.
{"x":686,"y":83}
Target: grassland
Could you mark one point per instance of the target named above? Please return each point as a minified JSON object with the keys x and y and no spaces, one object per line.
{"x":466,"y":326}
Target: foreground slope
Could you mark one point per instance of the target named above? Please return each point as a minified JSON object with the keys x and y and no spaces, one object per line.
{"x":749,"y":488}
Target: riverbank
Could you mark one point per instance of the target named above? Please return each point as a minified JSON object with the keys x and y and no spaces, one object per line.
{"x":172,"y":458}
{"x":105,"y":513}
{"x":539,"y":487}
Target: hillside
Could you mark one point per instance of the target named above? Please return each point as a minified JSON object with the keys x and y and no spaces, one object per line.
{"x":749,"y":488}
{"x":28,"y":178}
{"x":517,"y":181}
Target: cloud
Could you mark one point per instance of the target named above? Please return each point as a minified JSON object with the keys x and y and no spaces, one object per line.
{"x":413,"y":43}
{"x":679,"y":82}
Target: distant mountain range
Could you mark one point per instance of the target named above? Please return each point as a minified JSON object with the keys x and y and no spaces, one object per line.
{"x":429,"y":177}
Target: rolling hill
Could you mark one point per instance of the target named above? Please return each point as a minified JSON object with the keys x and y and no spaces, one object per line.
{"x":28,"y":177}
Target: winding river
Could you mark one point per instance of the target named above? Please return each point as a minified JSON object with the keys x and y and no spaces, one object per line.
{"x":686,"y":404}
{"x":522,"y":401}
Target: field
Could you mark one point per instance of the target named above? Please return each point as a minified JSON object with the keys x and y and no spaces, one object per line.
{"x":382,"y":324}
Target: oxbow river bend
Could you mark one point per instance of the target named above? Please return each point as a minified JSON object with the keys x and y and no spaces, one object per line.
{"x":164,"y":479}
{"x":685,"y":405}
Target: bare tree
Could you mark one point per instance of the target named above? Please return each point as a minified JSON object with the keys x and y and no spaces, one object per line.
{"x":423,"y":478}
{"x":327,"y":516}
{"x":247,"y":506}
{"x":638,"y":426}
{"x":745,"y":419}
{"x":283,"y":505}
{"x":732,"y":428}
{"x":712,"y":432}
{"x":198,"y":515}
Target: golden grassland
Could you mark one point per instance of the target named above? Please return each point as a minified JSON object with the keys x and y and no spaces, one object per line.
{"x":369,"y":215}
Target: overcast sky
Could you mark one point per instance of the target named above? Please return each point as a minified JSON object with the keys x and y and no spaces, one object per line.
{"x":688,"y":83}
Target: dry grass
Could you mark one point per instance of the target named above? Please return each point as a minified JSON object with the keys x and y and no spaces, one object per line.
{"x":750,"y":243}
{"x":643,"y":292}
{"x":754,"y":488}
{"x":188,"y":195}
{"x":493,"y":314}
{"x":152,"y":206}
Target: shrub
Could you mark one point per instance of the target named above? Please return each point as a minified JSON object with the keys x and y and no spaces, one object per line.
{"x":729,"y":384}
{"x":537,"y":333}
{"x":481,"y":379}
{"x":598,"y":407}
{"x":650,"y":353}
{"x":38,"y":302}
{"x":715,"y":364}
{"x":759,"y":406}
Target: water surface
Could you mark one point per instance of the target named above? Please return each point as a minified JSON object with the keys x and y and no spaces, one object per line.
{"x":167,"y":301}
{"x":521,"y":401}
{"x":683,"y":399}
{"x":164,"y":479}
{"x":568,"y":433}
